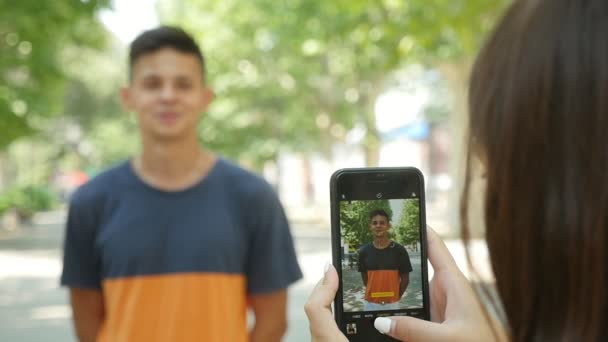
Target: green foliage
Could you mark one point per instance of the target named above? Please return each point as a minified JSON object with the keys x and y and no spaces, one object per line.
{"x":114,"y":140}
{"x":11,"y":126}
{"x":408,"y":227}
{"x":305,"y":72}
{"x":294,"y":74}
{"x":355,"y":221}
{"x":31,"y":161}
{"x":105,"y":134}
{"x":27,"y":200}
{"x":33,"y":34}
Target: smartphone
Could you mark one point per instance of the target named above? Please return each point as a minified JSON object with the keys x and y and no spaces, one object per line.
{"x":378,"y":233}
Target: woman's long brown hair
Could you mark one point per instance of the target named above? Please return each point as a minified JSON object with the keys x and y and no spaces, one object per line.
{"x":538,"y":102}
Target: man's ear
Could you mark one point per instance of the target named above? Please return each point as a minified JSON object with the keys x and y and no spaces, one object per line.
{"x":208,"y":95}
{"x":126,"y":98}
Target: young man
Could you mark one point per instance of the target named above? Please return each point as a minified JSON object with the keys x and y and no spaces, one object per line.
{"x":384,"y":265}
{"x":176,"y":244}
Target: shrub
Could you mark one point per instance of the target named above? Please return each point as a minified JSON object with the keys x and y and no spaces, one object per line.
{"x":27,"y":200}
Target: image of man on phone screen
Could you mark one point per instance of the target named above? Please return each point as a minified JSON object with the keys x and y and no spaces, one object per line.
{"x":384,"y":266}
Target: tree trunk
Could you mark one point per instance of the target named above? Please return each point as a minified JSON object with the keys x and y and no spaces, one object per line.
{"x":372,"y":150}
{"x":457,"y":76}
{"x":372,"y":142}
{"x":308,"y":188}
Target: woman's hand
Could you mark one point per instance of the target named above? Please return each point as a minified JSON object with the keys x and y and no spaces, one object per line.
{"x":323,"y":327}
{"x":456,"y":311}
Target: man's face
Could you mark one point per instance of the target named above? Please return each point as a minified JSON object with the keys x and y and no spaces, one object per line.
{"x":379,"y":226}
{"x":167,"y":94}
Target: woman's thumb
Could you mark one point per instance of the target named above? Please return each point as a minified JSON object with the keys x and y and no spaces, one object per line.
{"x":410,"y":329}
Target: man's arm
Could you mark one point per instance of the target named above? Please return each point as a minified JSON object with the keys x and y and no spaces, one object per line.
{"x":405,"y":281}
{"x":88,"y":312}
{"x":270,"y":312}
{"x":362,"y":266}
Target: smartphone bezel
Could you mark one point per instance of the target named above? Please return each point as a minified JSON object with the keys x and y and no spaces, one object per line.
{"x":411,"y":174}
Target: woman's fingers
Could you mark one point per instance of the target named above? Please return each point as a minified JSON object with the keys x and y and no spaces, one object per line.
{"x":318,"y":307}
{"x":411,"y":329}
{"x":438,"y":253}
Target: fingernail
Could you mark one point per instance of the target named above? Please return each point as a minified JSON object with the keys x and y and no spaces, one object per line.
{"x":325,"y":269}
{"x":383,"y":324}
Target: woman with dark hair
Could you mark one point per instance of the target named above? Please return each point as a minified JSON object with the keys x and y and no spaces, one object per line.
{"x":538,"y":104}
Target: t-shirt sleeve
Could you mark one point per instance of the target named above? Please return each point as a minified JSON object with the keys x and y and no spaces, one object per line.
{"x":81,"y":267}
{"x":405,"y":265}
{"x":272,"y":264}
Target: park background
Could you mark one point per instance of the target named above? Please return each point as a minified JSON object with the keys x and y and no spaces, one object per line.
{"x":303,"y":88}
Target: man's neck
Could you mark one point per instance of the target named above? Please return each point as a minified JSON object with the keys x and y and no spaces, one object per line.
{"x":173,"y":165}
{"x":381,"y":242}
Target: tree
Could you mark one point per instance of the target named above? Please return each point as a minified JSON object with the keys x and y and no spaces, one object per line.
{"x":305,"y":72}
{"x":355,"y":221}
{"x":33,"y":37}
{"x":91,"y":132}
{"x":407,"y":229}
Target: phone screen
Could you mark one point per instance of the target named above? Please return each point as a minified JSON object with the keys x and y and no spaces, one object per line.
{"x":382,"y":257}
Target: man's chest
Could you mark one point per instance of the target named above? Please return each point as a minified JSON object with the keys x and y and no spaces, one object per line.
{"x":148,"y":239}
{"x":382,"y":260}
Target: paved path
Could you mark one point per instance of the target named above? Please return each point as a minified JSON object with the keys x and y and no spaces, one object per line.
{"x":34,"y":308}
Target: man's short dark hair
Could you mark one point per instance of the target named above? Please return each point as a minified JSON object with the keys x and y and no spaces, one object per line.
{"x":162,"y":37}
{"x":380,"y":212}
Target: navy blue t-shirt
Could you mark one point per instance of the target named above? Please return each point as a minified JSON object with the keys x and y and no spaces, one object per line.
{"x":218,"y":241}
